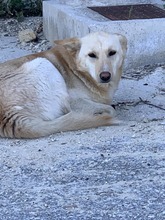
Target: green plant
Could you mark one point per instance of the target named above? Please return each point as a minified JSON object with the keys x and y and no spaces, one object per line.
{"x":20,"y":8}
{"x":2,"y":8}
{"x":15,"y":6}
{"x":35,"y":7}
{"x":163,"y":5}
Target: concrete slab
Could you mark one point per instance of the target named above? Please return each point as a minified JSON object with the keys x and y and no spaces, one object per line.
{"x":146,"y":38}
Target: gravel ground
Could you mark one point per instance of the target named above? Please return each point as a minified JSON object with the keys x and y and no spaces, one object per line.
{"x":11,"y":27}
{"x":107,"y":173}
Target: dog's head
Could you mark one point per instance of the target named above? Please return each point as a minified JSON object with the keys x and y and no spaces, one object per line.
{"x":100,"y":54}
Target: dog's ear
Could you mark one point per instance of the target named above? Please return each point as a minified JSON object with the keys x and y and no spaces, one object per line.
{"x":123,"y":41}
{"x":71,"y":44}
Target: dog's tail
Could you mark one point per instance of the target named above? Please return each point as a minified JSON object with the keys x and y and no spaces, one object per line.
{"x":32,"y":127}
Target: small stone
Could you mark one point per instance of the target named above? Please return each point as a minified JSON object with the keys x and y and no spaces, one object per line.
{"x":145,"y":120}
{"x":162,"y":123}
{"x":134,"y":136}
{"x":5,"y":34}
{"x":37,"y":47}
{"x":26,"y":35}
{"x":43,"y":42}
{"x":53,"y":139}
{"x":23,"y":44}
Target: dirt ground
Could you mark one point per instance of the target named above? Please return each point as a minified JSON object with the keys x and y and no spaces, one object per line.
{"x":107,"y":173}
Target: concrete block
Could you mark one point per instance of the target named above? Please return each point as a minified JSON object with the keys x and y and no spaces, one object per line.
{"x":146,"y":37}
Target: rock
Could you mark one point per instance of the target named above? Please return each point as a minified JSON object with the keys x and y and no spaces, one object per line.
{"x":5,"y":34}
{"x":26,"y":35}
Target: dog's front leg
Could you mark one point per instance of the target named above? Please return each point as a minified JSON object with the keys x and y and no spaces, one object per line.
{"x":90,"y":107}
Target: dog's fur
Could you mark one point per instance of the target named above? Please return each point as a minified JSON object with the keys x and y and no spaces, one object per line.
{"x":61,"y":89}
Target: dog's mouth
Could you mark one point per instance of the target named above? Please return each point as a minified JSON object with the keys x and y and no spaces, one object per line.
{"x":105,"y":77}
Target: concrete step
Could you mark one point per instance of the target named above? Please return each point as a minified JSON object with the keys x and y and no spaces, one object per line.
{"x":70,"y":18}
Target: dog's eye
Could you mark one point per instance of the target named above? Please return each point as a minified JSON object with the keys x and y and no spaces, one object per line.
{"x":111,"y":53}
{"x":92,"y":55}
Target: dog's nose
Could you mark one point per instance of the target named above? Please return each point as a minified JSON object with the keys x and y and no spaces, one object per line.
{"x":105,"y":76}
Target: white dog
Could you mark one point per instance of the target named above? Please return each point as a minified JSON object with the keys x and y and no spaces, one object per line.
{"x":68,"y":87}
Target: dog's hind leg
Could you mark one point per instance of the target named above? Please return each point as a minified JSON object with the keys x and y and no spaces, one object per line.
{"x":34,"y":127}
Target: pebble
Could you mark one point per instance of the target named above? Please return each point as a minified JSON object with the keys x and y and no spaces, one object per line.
{"x":133,"y":136}
{"x":27,"y":35}
{"x":145,"y":120}
{"x":162,"y":123}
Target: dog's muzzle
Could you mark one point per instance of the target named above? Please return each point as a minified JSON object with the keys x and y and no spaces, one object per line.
{"x":105,"y":76}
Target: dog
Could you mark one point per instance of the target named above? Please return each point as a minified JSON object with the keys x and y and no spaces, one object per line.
{"x":68,"y":87}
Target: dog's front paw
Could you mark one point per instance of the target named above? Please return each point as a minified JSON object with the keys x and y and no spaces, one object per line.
{"x":108,"y":110}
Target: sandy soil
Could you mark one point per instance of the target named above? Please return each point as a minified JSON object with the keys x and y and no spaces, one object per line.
{"x":107,"y":173}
